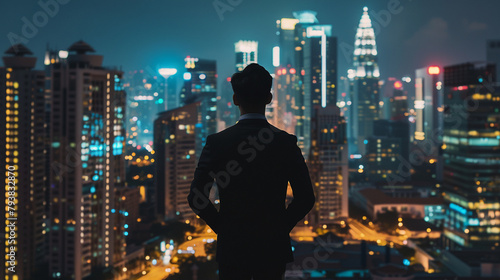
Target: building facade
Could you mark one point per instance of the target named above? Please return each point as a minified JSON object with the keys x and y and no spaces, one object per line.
{"x":471,"y":141}
{"x":87,"y":164}
{"x":22,"y":154}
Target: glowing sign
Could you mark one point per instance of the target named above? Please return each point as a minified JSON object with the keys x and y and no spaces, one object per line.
{"x":433,"y":70}
{"x":187,"y":76}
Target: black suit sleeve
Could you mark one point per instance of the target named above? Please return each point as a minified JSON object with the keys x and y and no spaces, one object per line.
{"x":300,"y":181}
{"x":201,"y":185}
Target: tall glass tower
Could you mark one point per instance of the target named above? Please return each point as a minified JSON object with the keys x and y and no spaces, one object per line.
{"x":364,"y":85}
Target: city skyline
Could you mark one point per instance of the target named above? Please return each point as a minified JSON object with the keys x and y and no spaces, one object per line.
{"x":393,"y":104}
{"x":424,"y":35}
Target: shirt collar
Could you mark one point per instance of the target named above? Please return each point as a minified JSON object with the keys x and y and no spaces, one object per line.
{"x":252,"y":116}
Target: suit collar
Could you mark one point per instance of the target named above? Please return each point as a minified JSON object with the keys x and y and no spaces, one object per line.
{"x":252,"y":121}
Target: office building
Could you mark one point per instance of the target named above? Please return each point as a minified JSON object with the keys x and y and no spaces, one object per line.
{"x":315,"y":65}
{"x":246,"y":53}
{"x":428,"y":134}
{"x":471,"y":140}
{"x":22,"y":154}
{"x":200,"y":85}
{"x":328,"y":166}
{"x":87,"y":164}
{"x":177,"y":134}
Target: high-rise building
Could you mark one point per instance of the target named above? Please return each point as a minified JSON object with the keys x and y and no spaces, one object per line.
{"x":171,"y":97}
{"x":329,"y":166}
{"x":228,"y":113}
{"x":364,"y":85}
{"x":246,"y":53}
{"x":286,"y":50}
{"x":87,"y":164}
{"x":428,"y":107}
{"x":471,"y":141}
{"x":387,"y":152}
{"x":22,"y":154}
{"x":177,"y":134}
{"x":284,"y":89}
{"x":200,"y":85}
{"x":315,"y":67}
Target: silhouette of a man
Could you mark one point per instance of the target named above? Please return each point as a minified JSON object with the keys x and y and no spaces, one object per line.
{"x":252,"y":163}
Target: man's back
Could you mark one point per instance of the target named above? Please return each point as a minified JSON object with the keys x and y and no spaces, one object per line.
{"x":252,"y":163}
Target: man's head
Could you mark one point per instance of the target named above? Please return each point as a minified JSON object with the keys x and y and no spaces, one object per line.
{"x":252,"y":88}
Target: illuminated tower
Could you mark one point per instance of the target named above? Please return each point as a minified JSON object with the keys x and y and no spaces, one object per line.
{"x":86,"y":163}
{"x":246,"y":53}
{"x":200,"y":84}
{"x":328,"y":166}
{"x":471,"y":141}
{"x":429,"y":120}
{"x":316,"y":67}
{"x":364,"y":85}
{"x":177,"y":134}
{"x":22,"y":157}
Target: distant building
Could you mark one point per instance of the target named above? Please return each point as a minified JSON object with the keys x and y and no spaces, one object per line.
{"x":364,"y":85}
{"x":22,"y":156}
{"x":471,"y":140}
{"x":177,"y":134}
{"x":428,"y":132}
{"x":246,"y":53}
{"x":328,"y":166}
{"x":316,"y":71}
{"x":200,"y":85}
{"x":146,"y":97}
{"x":375,"y":202}
{"x":493,"y":55}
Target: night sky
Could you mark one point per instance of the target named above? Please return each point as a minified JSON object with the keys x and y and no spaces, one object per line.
{"x":135,"y":34}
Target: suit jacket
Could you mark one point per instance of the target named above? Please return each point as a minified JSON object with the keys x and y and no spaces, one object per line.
{"x":252,"y":163}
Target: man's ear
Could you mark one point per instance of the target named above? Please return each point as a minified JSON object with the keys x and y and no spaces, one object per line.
{"x":269,"y":98}
{"x":235,"y":100}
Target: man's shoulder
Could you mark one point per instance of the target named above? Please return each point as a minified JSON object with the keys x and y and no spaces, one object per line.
{"x":268,"y":130}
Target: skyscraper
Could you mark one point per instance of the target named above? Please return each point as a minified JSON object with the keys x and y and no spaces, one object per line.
{"x":87,"y":164}
{"x":471,"y":141}
{"x":429,"y":120}
{"x":22,"y":154}
{"x":246,"y":53}
{"x":364,"y":88}
{"x":200,"y":85}
{"x":328,"y":165}
{"x":177,"y":134}
{"x":315,"y":67}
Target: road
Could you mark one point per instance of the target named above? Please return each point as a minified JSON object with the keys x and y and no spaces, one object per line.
{"x":362,"y":232}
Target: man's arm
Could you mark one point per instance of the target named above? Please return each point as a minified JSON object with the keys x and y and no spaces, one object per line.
{"x":198,"y":197}
{"x":300,"y":181}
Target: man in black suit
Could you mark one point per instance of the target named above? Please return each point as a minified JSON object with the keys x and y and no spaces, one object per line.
{"x":252,"y":163}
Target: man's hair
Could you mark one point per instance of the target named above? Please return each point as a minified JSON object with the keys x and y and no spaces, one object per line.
{"x":252,"y":85}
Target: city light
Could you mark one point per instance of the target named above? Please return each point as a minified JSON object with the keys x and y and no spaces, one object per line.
{"x":433,"y":70}
{"x":276,"y":56}
{"x":166,"y":72}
